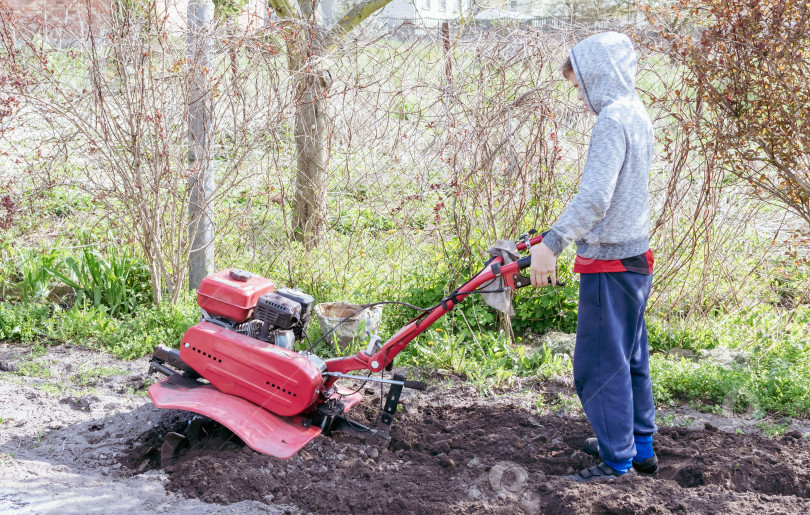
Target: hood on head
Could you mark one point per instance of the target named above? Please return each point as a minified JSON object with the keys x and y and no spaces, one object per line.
{"x":605,"y":67}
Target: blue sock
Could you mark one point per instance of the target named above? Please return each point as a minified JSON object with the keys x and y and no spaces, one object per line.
{"x":644,"y":448}
{"x":621,"y":466}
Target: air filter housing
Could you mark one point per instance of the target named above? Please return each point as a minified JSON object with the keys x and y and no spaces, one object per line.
{"x":306,"y":301}
{"x":277,"y":311}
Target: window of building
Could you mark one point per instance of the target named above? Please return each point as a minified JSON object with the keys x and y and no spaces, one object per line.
{"x":513,"y":5}
{"x":426,"y":4}
{"x":458,"y":5}
{"x":442,"y":5}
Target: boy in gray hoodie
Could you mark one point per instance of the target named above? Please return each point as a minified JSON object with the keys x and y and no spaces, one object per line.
{"x":609,"y":220}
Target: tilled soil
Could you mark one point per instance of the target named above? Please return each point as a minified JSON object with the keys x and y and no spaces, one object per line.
{"x":457,"y":453}
{"x":92,"y":444}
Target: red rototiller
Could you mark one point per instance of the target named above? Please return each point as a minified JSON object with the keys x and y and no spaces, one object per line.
{"x":274,"y":398}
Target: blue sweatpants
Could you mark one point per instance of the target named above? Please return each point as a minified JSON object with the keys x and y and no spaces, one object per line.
{"x":611,"y":360}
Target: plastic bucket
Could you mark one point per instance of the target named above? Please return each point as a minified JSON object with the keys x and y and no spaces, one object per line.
{"x":331,"y":313}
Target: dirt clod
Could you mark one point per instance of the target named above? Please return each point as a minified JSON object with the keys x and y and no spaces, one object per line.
{"x":441,"y":447}
{"x":446,"y":461}
{"x":80,"y":403}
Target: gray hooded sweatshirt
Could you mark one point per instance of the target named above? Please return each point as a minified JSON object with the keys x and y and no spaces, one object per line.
{"x":610,"y":216}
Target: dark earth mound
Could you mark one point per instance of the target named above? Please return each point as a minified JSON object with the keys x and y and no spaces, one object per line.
{"x":468,"y":455}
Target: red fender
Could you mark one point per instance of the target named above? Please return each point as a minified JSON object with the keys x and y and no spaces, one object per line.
{"x":261,"y":430}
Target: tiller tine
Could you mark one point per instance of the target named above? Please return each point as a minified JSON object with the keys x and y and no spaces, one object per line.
{"x":171,"y":446}
{"x":260,"y":429}
{"x":195,"y":425}
{"x":330,"y":415}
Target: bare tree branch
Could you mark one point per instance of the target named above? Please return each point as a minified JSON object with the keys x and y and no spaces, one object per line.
{"x":283,"y":8}
{"x":353,"y":18}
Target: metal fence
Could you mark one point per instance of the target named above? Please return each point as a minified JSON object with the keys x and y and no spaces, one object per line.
{"x":419,"y":27}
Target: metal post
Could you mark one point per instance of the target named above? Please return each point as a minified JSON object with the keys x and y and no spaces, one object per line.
{"x":448,"y":63}
{"x":200,"y":16}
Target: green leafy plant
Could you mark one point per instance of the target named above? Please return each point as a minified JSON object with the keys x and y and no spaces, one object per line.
{"x":772,"y":429}
{"x":118,"y":281}
{"x":22,"y":322}
{"x":487,"y":357}
{"x":91,"y":376}
{"x":536,"y":309}
{"x":34,"y":368}
{"x":152,"y":325}
{"x":35,"y":281}
{"x":541,"y":309}
{"x":663,"y":336}
{"x":226,"y":9}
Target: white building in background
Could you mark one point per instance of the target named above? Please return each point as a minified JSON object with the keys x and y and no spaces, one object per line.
{"x":438,"y":10}
{"x":454,"y":9}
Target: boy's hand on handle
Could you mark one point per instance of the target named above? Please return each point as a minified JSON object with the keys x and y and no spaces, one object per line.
{"x":544,"y":265}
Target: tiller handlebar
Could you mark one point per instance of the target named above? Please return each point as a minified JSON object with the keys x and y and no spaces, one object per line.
{"x":493,"y":268}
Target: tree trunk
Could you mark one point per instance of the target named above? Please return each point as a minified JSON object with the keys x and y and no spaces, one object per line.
{"x":157,"y":292}
{"x":306,"y":50}
{"x":312,"y":148}
{"x":200,"y":162}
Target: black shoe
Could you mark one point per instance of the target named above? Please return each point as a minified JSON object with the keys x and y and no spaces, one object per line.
{"x":648,"y":467}
{"x":598,"y":473}
{"x":591,"y":446}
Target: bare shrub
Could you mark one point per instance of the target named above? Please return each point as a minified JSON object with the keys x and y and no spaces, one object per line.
{"x":736,"y":141}
{"x":748,"y":95}
{"x":438,"y":141}
{"x":113,"y":110}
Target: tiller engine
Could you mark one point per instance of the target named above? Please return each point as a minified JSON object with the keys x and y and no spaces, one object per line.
{"x":239,"y":366}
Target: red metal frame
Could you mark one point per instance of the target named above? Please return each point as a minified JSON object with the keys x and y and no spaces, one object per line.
{"x":378,"y":361}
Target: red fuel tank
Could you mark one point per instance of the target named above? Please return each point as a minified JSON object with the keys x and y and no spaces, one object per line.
{"x":278,"y":380}
{"x":232,"y":293}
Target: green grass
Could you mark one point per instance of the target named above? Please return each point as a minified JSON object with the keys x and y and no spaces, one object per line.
{"x":23,"y":322}
{"x":770,"y":429}
{"x":91,"y":376}
{"x":568,"y":404}
{"x":49,"y":387}
{"x":776,"y":378}
{"x":782,"y":387}
{"x":486,"y":357}
{"x":34,"y":368}
{"x":92,"y":327}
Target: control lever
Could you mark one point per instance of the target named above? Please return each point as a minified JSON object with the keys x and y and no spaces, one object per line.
{"x":526,"y":236}
{"x":522,"y":280}
{"x":514,"y":280}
